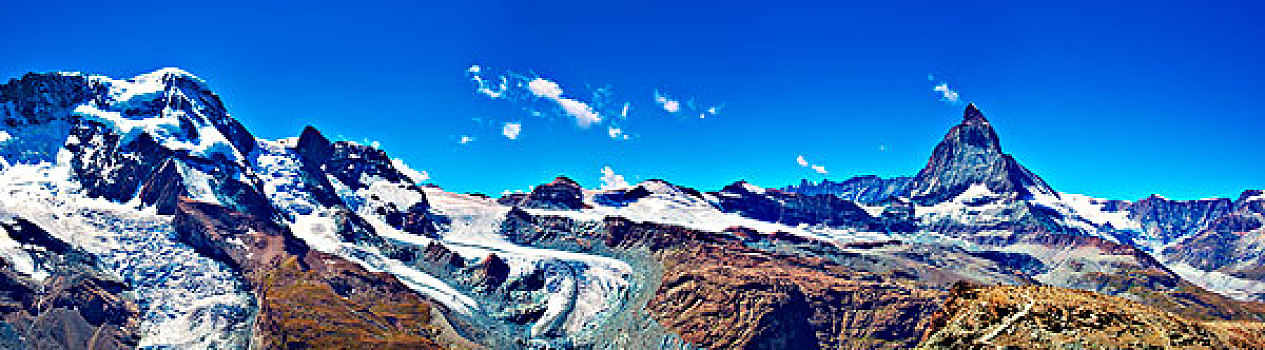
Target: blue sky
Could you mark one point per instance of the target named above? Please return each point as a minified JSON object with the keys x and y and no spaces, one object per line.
{"x":1102,"y":98}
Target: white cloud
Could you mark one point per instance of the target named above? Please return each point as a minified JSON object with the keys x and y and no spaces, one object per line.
{"x":611,"y":180}
{"x":511,"y":130}
{"x":882,"y":148}
{"x":672,"y":106}
{"x":946,"y":94}
{"x":545,"y":88}
{"x":584,"y":115}
{"x":4,"y":136}
{"x":485,"y":86}
{"x":668,"y":104}
{"x":624,"y":113}
{"x":804,"y":163}
{"x":466,"y":139}
{"x":416,"y":176}
{"x":616,"y":133}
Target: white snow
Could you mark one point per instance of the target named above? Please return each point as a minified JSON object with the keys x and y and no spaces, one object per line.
{"x":986,"y":210}
{"x":21,"y":260}
{"x":165,"y":127}
{"x":187,"y":300}
{"x":1234,"y":287}
{"x":279,"y":168}
{"x":752,"y":188}
{"x":197,"y":183}
{"x":582,"y":285}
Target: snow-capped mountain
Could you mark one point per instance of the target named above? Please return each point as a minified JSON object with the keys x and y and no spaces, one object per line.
{"x":138,"y":213}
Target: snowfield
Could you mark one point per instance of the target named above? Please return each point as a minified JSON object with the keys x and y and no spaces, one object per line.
{"x":187,"y":300}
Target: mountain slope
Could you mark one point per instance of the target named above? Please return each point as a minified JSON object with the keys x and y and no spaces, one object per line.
{"x":144,"y":197}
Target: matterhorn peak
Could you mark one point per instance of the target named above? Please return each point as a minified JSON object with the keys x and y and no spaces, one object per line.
{"x":971,"y":154}
{"x":973,"y":114}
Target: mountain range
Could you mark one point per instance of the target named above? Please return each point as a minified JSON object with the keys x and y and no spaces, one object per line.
{"x":137,"y":213}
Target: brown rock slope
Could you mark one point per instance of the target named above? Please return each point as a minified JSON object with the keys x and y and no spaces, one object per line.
{"x":717,"y":292}
{"x":309,"y":299}
{"x":76,"y":307}
{"x":1050,"y":317}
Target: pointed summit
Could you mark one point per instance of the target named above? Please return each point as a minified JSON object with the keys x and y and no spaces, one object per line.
{"x":972,"y":113}
{"x":971,"y":154}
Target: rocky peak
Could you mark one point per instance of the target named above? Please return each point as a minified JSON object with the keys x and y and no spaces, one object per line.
{"x":563,"y":193}
{"x":790,"y":208}
{"x":40,"y":97}
{"x":862,"y":189}
{"x":971,"y":154}
{"x":491,"y":272}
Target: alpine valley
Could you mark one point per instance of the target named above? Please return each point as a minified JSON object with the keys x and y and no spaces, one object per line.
{"x":136,"y":213}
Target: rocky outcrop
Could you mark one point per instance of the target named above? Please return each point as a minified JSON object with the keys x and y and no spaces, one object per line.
{"x":38,"y":98}
{"x":860,"y":189}
{"x":1056,"y":318}
{"x":1170,"y":220}
{"x":1123,"y":270}
{"x":791,"y":208}
{"x":308,"y":299}
{"x":1232,"y":243}
{"x":443,"y":257}
{"x":357,"y":167}
{"x":490,"y":273}
{"x":561,"y":194}
{"x":75,"y":306}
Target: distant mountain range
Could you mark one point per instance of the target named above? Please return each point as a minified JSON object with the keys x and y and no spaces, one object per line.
{"x":138,"y":213}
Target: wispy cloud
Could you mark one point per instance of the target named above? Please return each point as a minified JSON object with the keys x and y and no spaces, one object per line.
{"x":616,"y":133}
{"x":465,"y":139}
{"x":511,"y":130}
{"x":667,"y":103}
{"x":486,"y":87}
{"x":805,"y":164}
{"x":946,"y":94}
{"x":545,"y":88}
{"x":611,"y":180}
{"x":587,"y":106}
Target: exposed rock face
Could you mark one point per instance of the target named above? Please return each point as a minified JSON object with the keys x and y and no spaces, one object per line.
{"x":306,"y":296}
{"x":1170,"y":220}
{"x":491,"y":272}
{"x":791,"y":208}
{"x":357,"y":167}
{"x":1233,"y":243}
{"x":861,"y":189}
{"x":561,"y":194}
{"x":442,"y":256}
{"x":74,"y":307}
{"x":971,"y":154}
{"x":41,"y":97}
{"x":1126,"y":271}
{"x":1056,"y":318}
{"x":716,"y":292}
